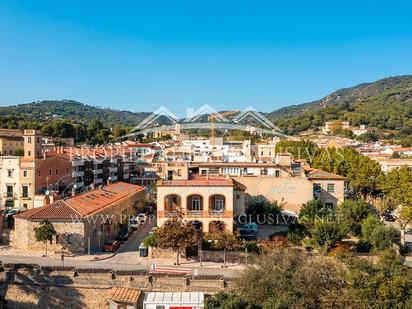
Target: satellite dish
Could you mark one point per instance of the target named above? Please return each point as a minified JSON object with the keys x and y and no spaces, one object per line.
{"x":47,"y":192}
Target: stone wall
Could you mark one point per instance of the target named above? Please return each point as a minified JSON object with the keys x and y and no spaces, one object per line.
{"x":217,"y":256}
{"x":23,"y":236}
{"x":159,"y":253}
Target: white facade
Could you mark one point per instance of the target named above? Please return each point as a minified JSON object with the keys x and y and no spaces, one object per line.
{"x":10,"y":186}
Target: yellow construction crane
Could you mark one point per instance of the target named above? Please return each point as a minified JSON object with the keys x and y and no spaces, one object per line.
{"x":212,"y":118}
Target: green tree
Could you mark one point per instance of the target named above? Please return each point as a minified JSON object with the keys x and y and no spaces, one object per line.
{"x":351,"y":215}
{"x":223,"y":240}
{"x":176,"y":234}
{"x":224,"y":300}
{"x":378,"y":235}
{"x":396,"y":187}
{"x":325,"y":234}
{"x":287,"y":278}
{"x":44,"y":232}
{"x":385,"y":284}
{"x":312,"y":211}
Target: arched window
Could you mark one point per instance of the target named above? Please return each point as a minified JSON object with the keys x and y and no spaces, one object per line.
{"x":217,"y":203}
{"x":172,"y":202}
{"x":194,"y":203}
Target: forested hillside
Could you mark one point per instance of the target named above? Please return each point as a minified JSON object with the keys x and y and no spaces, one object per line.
{"x":384,"y":104}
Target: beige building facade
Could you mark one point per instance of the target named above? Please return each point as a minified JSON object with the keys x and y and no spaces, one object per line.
{"x":210,"y":203}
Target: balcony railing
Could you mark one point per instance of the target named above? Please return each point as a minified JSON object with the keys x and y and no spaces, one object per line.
{"x":216,"y":212}
{"x":194,"y":212}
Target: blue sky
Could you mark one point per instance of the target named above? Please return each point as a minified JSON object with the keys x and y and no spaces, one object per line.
{"x":139,"y":55}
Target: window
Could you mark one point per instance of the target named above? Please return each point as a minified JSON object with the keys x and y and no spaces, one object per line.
{"x":70,"y":239}
{"x":38,"y":140}
{"x":9,"y":191}
{"x":25,"y":190}
{"x":196,"y":203}
{"x":50,"y":172}
{"x":25,"y":205}
{"x":277,"y":173}
{"x":57,"y":171}
{"x":218,"y":204}
{"x":24,"y":173}
{"x":331,"y":187}
{"x":10,"y":173}
{"x":29,"y":153}
{"x":329,"y":206}
{"x":39,"y":173}
{"x":29,"y":139}
{"x":57,"y":239}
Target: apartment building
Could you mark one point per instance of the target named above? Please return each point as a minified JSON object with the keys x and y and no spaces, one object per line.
{"x":209,"y":202}
{"x":97,"y":169}
{"x":11,"y":145}
{"x":390,"y":164}
{"x":83,"y":222}
{"x":9,"y":182}
{"x":290,"y":182}
{"x":11,"y":142}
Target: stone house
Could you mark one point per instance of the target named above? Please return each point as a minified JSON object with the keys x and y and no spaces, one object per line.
{"x":82,"y":222}
{"x":209,"y":202}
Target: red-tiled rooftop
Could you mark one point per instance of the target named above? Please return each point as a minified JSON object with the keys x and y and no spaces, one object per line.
{"x":319,"y":174}
{"x":126,"y":295}
{"x":83,"y":204}
{"x":199,"y":182}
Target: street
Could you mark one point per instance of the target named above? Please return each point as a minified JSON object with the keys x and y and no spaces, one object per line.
{"x":127,"y":258}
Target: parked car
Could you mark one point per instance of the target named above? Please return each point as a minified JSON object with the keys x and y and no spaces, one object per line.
{"x":11,"y":213}
{"x":248,"y":234}
{"x":389,"y":217}
{"x":111,"y":246}
{"x":123,"y":235}
{"x":142,"y":218}
{"x":134,"y":223}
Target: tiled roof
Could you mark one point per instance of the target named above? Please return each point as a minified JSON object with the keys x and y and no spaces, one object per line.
{"x":58,"y":210}
{"x":126,"y":295}
{"x":319,"y":174}
{"x":198,"y":182}
{"x":83,"y":204}
{"x":92,"y":201}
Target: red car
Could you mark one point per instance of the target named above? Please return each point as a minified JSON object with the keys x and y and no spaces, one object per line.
{"x":111,"y":246}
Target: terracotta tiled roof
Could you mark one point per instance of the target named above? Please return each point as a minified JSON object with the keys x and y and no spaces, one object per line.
{"x":319,"y":174}
{"x":83,"y":204}
{"x":92,"y":201}
{"x":198,"y":182}
{"x":126,"y":295}
{"x":59,"y":210}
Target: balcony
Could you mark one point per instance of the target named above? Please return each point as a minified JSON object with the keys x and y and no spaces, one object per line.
{"x":77,"y":174}
{"x":216,"y":213}
{"x":98,"y":181}
{"x":113,"y":169}
{"x":194,"y":213}
{"x":98,"y":171}
{"x":10,"y":195}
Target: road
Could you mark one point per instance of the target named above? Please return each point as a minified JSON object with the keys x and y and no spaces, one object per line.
{"x":127,"y":258}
